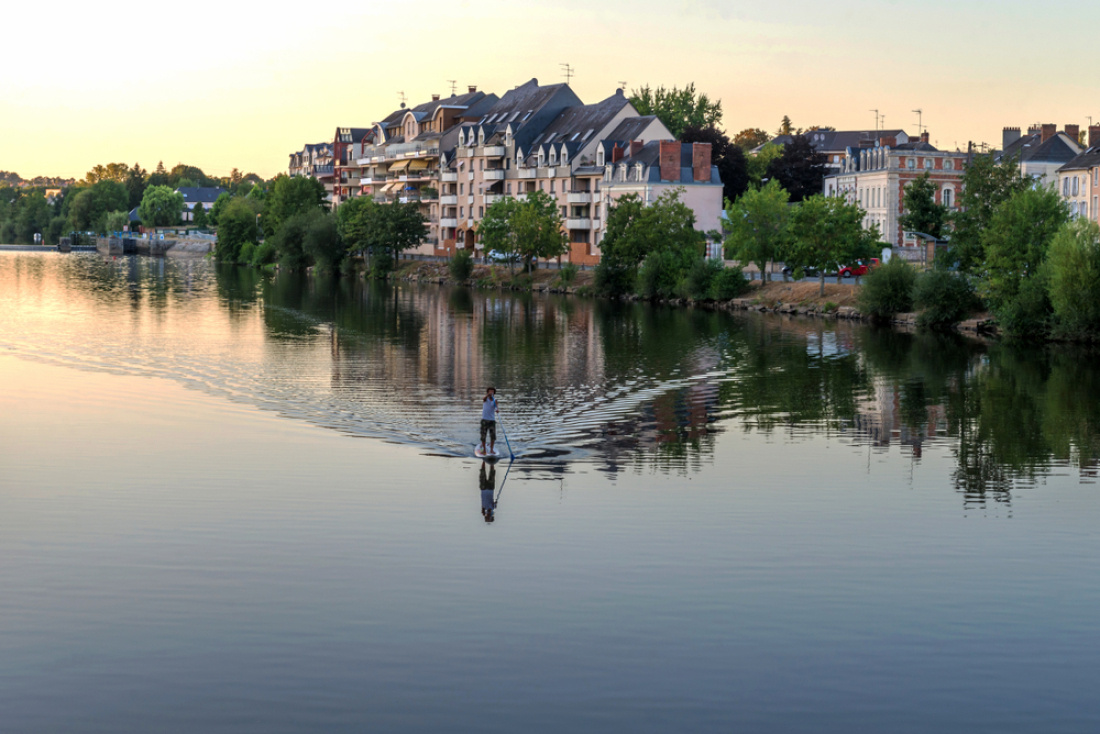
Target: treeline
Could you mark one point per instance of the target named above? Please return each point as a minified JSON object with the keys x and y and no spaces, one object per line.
{"x":292,"y":225}
{"x":102,"y":200}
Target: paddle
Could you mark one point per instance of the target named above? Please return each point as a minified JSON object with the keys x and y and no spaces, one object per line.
{"x":511,"y":453}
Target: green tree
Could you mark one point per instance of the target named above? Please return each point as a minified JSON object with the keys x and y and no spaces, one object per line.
{"x":1074,"y":270}
{"x":758,"y":226}
{"x":677,"y":108}
{"x":160,"y":207}
{"x":800,"y":169}
{"x":31,"y":216}
{"x":538,"y":228}
{"x":921,"y":212}
{"x":88,"y":209}
{"x":1015,"y":245}
{"x":749,"y":138}
{"x":381,"y":231}
{"x":888,"y":290}
{"x":496,"y":230}
{"x":785,"y":127}
{"x":825,"y":231}
{"x":757,"y":164}
{"x":219,"y":206}
{"x":117,"y":221}
{"x":323,"y":244}
{"x":986,"y":185}
{"x":729,"y":158}
{"x":236,"y":226}
{"x":159,"y":176}
{"x":290,"y":196}
{"x":198,"y":216}
{"x":135,"y":183}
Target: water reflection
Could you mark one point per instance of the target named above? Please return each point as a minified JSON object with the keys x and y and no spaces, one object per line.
{"x":621,"y":386}
{"x":487,"y":481}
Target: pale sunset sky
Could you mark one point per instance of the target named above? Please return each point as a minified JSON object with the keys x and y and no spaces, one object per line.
{"x":224,"y":84}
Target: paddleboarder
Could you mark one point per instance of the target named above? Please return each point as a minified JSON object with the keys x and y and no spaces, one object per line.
{"x":488,"y":483}
{"x":489,"y":410}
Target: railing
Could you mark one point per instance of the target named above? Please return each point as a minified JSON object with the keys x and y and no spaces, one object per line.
{"x":493,"y":198}
{"x":323,"y":170}
{"x":528,"y":173}
{"x":581,"y":223}
{"x":579,"y":197}
{"x":409,"y":150}
{"x":449,"y":200}
{"x":493,"y":150}
{"x":448,"y":176}
{"x":493,"y":174}
{"x":448,"y":222}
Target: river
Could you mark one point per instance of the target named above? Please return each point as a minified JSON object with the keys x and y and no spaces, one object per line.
{"x":236,"y":502}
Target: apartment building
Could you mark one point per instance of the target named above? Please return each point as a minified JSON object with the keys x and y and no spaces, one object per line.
{"x":875,"y":178}
{"x":1079,"y":180}
{"x":1042,"y":151}
{"x":315,"y":160}
{"x":834,"y":144}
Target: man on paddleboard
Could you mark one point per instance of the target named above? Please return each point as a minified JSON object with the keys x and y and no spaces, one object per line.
{"x":489,"y":410}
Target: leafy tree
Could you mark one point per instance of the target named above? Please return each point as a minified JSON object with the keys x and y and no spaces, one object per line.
{"x":1074,"y":267}
{"x":381,"y":231}
{"x":986,"y":185}
{"x":729,"y":158}
{"x":198,"y":216}
{"x":752,"y":137}
{"x":159,"y":176}
{"x":160,"y":207}
{"x":921,"y":212}
{"x":677,"y":108}
{"x":184,"y":175}
{"x":111,"y":172}
{"x":496,"y":231}
{"x":944,"y":298}
{"x":291,"y":196}
{"x":1015,"y":246}
{"x":88,"y":209}
{"x":219,"y":206}
{"x":800,"y":169}
{"x":758,"y":225}
{"x":785,"y":127}
{"x":888,"y":290}
{"x":538,"y":228}
{"x":826,"y":231}
{"x":236,"y":226}
{"x":323,"y":243}
{"x":757,"y":165}
{"x":635,"y":231}
{"x":117,"y":221}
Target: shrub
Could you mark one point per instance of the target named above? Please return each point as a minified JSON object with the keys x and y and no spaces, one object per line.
{"x":324,"y":244}
{"x":462,"y":265}
{"x":697,"y":283}
{"x":290,"y":239}
{"x":888,"y":289}
{"x":943,"y":297}
{"x":729,"y":283}
{"x":248,"y":249}
{"x":1074,"y":270}
{"x":1028,"y":314}
{"x":568,"y":273}
{"x":659,"y":275}
{"x":236,"y":225}
{"x":264,"y":254}
{"x":613,"y":279}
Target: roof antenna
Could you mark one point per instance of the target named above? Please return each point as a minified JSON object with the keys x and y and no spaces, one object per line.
{"x":920,"y":117}
{"x":454,"y":85}
{"x":567,"y":71}
{"x":622,"y":86}
{"x":876,"y":119}
{"x":403,"y":99}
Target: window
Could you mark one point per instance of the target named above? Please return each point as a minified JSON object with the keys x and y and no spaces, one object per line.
{"x":928,"y":163}
{"x":1075,"y":186}
{"x":1065,"y":187}
{"x":949,"y":165}
{"x":948,"y":196}
{"x":462,"y":188}
{"x":599,"y":158}
{"x":1095,"y":206}
{"x":564,"y":157}
{"x":482,"y":164}
{"x":542,"y":158}
{"x":911,"y":163}
{"x":481,"y":211}
{"x":462,"y":212}
{"x":564,"y":213}
{"x":542,"y":186}
{"x":551,"y":186}
{"x":553,"y":157}
{"x":508,"y":188}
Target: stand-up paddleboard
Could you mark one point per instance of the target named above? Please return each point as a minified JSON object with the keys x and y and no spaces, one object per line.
{"x":486,"y":454}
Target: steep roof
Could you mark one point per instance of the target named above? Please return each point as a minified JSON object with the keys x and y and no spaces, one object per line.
{"x":1090,"y":158}
{"x":650,"y":157}
{"x":1031,"y":148}
{"x":200,"y":194}
{"x":917,"y":145}
{"x":580,"y":122}
{"x":837,"y":140}
{"x":630,"y":128}
{"x":529,"y":108}
{"x":352,"y":134}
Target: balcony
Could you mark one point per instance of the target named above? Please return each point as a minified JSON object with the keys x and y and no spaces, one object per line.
{"x":449,"y":200}
{"x":493,"y":151}
{"x":470,"y":176}
{"x":493,"y":174}
{"x":579,"y":197}
{"x":448,"y":222}
{"x":578,"y":223}
{"x":323,"y":170}
{"x":470,"y":200}
{"x":527,"y":172}
{"x":493,"y":198}
{"x":448,"y":176}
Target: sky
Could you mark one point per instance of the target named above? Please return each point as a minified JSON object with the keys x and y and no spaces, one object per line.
{"x":232,"y":84}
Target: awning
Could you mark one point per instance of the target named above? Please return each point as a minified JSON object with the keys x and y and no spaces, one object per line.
{"x":417,"y":165}
{"x":398,"y":165}
{"x":389,"y":187}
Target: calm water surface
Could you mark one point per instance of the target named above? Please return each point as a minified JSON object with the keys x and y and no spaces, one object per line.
{"x":241,"y":503}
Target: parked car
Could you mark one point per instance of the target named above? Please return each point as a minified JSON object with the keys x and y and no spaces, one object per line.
{"x":860,"y":268}
{"x":502,"y":257}
{"x":806,"y":270}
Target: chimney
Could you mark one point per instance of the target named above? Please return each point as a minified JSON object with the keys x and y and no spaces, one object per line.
{"x":1009,"y":136}
{"x":670,"y":160}
{"x":472,"y":88}
{"x":1034,"y":130}
{"x":616,"y":153}
{"x":636,"y":147}
{"x":435,"y":97}
{"x":888,"y":140}
{"x":1049,"y":131}
{"x":700,"y":161}
{"x":1074,"y":132}
{"x":1094,"y":135}
{"x":924,"y":137}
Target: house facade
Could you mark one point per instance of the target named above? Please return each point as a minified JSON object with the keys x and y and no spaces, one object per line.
{"x":1079,"y":180}
{"x":875,"y":178}
{"x":1042,"y":151}
{"x":834,"y":144}
{"x":193,"y":196}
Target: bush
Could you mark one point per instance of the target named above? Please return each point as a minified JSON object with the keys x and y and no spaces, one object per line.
{"x":888,"y":289}
{"x":236,"y":225}
{"x":264,"y":254}
{"x":660,"y":274}
{"x":613,"y":279}
{"x":248,"y":249}
{"x":568,"y":273}
{"x":944,"y":298}
{"x":324,"y":244}
{"x":462,"y":265}
{"x":1028,"y":314}
{"x":290,"y":239}
{"x":697,"y":283}
{"x":729,"y":283}
{"x":1073,"y":264}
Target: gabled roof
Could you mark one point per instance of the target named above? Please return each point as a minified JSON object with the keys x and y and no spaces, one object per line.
{"x":528,"y":107}
{"x":580,"y":122}
{"x":918,"y":146}
{"x":837,"y":140}
{"x":1090,"y":158}
{"x":649,"y":156}
{"x":630,"y":128}
{"x":352,"y":134}
{"x":1031,"y":148}
{"x":201,"y":194}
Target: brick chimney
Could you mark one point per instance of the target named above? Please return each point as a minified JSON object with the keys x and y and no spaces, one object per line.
{"x":616,"y":153}
{"x":1034,"y":130}
{"x":700,"y":161}
{"x":1009,"y":136}
{"x":888,"y":140}
{"x":1074,"y":132}
{"x":472,"y":88}
{"x":1049,"y":131}
{"x":670,"y":160}
{"x":636,"y":147}
{"x":1094,"y":135}
{"x":924,"y":137}
{"x":435,"y":97}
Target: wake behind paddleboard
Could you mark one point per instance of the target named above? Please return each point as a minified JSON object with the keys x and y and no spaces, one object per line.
{"x":488,"y":455}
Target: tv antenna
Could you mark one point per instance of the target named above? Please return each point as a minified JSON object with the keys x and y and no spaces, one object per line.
{"x":567,"y":71}
{"x":920,"y":118}
{"x":454,"y":85}
{"x":876,"y":118}
{"x":622,"y":86}
{"x":402,"y":97}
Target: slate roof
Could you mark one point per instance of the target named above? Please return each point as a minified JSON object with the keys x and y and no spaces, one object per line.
{"x":837,"y":140}
{"x":356,"y":134}
{"x":528,"y":109}
{"x":630,"y":128}
{"x":579,"y":122}
{"x":201,"y":194}
{"x":650,"y":157}
{"x":1057,"y":149}
{"x":1090,"y":158}
{"x":918,"y":146}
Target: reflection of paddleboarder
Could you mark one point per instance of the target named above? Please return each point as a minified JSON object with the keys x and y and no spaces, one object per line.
{"x":488,"y":483}
{"x":489,"y":410}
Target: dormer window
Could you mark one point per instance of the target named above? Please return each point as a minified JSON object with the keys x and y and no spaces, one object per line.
{"x":542,"y":158}
{"x":622,"y":171}
{"x":637,"y":171}
{"x":564,"y":156}
{"x":553,"y":157}
{"x":481,"y":137}
{"x":599,"y":157}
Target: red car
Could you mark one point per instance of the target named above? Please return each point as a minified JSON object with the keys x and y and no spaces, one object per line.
{"x":860,"y":268}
